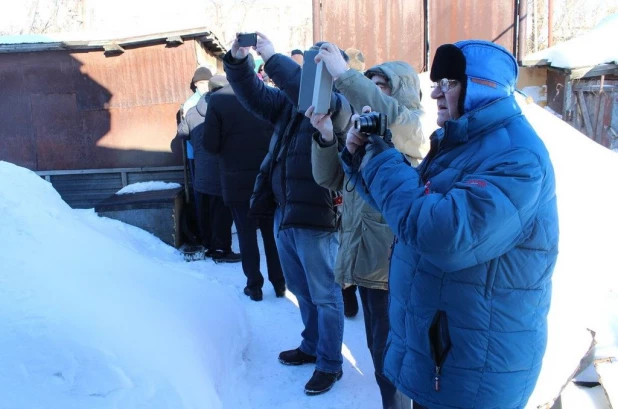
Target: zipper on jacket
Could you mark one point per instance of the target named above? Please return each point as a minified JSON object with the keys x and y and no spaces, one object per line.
{"x":437,"y":379}
{"x":390,"y":256}
{"x":284,"y":154}
{"x":440,"y":344}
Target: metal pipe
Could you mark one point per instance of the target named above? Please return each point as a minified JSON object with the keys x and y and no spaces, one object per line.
{"x":522,"y":30}
{"x":427,"y":55}
{"x":550,"y":23}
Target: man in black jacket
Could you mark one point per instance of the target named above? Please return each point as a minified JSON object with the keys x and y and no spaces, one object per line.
{"x":305,"y":213}
{"x":214,"y":218}
{"x":241,"y":141}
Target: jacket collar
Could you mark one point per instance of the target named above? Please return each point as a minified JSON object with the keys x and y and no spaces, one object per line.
{"x":477,"y":122}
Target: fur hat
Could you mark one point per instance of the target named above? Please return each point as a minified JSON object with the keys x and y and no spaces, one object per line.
{"x":201,"y":74}
{"x":450,"y":62}
{"x":357,"y":59}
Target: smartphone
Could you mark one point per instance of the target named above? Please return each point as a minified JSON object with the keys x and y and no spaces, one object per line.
{"x":247,"y":39}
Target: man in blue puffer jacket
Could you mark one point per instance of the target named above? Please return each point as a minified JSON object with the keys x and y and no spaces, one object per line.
{"x":476,"y":228}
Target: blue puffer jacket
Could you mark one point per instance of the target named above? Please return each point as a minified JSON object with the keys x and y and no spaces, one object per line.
{"x":477,"y":239}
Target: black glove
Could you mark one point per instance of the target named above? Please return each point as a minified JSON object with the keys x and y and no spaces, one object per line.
{"x":375,"y":146}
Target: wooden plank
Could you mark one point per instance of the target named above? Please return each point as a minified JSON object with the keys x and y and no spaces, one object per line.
{"x":596,"y":88}
{"x":596,"y":71}
{"x":598,"y":127}
{"x":600,"y":111}
{"x":584,"y":108}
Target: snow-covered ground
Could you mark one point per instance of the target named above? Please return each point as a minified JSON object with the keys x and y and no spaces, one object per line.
{"x":98,"y":314}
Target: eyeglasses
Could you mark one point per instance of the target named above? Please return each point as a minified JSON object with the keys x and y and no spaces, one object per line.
{"x":445,"y":84}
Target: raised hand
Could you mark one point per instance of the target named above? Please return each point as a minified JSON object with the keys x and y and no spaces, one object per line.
{"x":331,"y":55}
{"x":237,"y":51}
{"x":264,"y":47}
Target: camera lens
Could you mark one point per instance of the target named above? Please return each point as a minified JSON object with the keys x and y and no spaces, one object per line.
{"x":365,"y":124}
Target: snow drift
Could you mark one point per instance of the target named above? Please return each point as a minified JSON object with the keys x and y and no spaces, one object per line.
{"x":88,"y":320}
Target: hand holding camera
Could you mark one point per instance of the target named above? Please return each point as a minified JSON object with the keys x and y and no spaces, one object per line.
{"x":240,"y":49}
{"x":370,"y":131}
{"x":264,"y":47}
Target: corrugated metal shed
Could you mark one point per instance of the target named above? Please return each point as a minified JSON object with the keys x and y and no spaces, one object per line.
{"x":74,"y":105}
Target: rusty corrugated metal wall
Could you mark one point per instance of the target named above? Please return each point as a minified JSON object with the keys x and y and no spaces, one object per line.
{"x":386,"y":30}
{"x":85,"y":110}
{"x":382,"y":30}
{"x":451,"y":21}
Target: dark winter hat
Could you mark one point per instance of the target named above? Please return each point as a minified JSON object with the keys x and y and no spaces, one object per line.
{"x":201,"y":74}
{"x":450,"y":62}
{"x":296,"y":51}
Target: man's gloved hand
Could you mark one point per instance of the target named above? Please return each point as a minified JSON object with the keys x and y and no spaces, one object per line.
{"x":376,"y":145}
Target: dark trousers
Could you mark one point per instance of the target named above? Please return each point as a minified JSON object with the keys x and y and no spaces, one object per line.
{"x":215,"y":220}
{"x":417,"y":406}
{"x":375,"y":311}
{"x":246,"y":227}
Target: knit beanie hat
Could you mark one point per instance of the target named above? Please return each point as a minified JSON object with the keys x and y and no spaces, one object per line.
{"x":450,"y":62}
{"x":357,"y":59}
{"x":201,"y":74}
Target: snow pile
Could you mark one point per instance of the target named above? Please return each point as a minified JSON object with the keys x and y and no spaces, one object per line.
{"x":585,"y":283}
{"x":146,"y":187}
{"x":590,"y":49}
{"x":538,"y":94}
{"x":98,"y":314}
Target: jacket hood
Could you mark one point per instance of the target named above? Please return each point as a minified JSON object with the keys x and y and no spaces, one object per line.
{"x":487,"y":82}
{"x":404,"y":82}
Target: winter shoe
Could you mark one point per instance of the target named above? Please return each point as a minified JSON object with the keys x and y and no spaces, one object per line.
{"x":280,"y":291}
{"x":350,"y":303}
{"x":220,"y":256}
{"x":296,"y":357}
{"x":254,"y":294}
{"x":321,"y":382}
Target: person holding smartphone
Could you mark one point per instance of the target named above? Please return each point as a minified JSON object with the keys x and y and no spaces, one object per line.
{"x":305,"y":214}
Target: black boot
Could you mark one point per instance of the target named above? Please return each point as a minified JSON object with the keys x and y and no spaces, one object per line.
{"x":350,"y":303}
{"x":280,"y":290}
{"x":296,"y":357}
{"x":220,"y":256}
{"x":254,"y":294}
{"x":321,"y":382}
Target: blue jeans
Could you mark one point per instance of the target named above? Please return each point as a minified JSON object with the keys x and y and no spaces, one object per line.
{"x":375,"y":311}
{"x":308,"y":257}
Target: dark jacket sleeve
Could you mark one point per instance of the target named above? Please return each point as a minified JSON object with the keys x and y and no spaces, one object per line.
{"x":285,"y":72}
{"x":213,"y":137}
{"x":263,"y":101}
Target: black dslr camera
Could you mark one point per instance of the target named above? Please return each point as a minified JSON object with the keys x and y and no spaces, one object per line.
{"x":372,"y":123}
